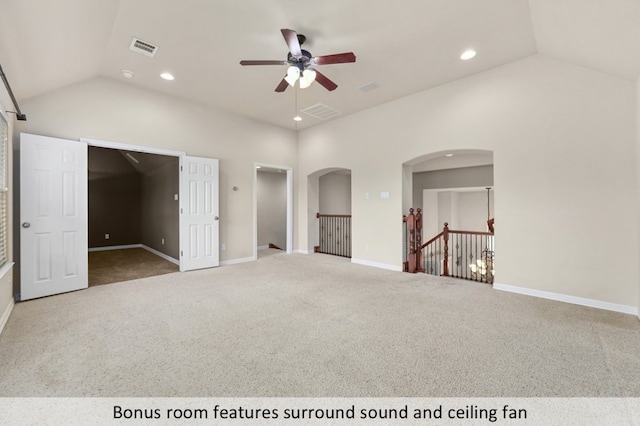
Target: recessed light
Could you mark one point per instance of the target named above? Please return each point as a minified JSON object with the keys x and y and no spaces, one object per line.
{"x":167,"y":76}
{"x":449,"y":155}
{"x":468,"y":54}
{"x":297,"y":118}
{"x":127,"y":74}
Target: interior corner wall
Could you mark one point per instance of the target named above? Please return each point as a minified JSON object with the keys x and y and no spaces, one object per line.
{"x":564,"y":171}
{"x":109,"y":110}
{"x":159,"y":209}
{"x":114,"y":209}
{"x":335,"y":193}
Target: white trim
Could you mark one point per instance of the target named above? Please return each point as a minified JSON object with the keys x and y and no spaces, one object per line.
{"x":129,"y":147}
{"x":5,"y":268}
{"x":592,"y":303}
{"x":5,"y":315}
{"x":160,"y":254}
{"x":263,"y":247}
{"x":236,"y":261}
{"x":377,"y":265}
{"x":123,"y":247}
{"x":301,"y":251}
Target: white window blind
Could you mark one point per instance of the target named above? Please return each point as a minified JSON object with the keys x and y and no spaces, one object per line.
{"x":4,"y":190}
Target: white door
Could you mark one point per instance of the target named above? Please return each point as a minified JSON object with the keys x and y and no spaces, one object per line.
{"x":198,"y":213}
{"x":53,"y":216}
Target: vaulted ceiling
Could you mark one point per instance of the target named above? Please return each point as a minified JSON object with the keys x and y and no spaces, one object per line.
{"x":402,"y":47}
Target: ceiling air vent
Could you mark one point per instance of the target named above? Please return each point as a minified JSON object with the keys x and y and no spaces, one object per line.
{"x":140,"y":46}
{"x":321,"y":112}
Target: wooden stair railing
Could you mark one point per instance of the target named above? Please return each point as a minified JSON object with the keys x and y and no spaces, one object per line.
{"x":471,"y":252}
{"x":334,"y":234}
{"x":413,"y":237}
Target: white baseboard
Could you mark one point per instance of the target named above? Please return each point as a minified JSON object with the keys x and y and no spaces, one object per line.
{"x":142,"y":246}
{"x":128,"y":246}
{"x":592,"y":303}
{"x":162,"y":255}
{"x":236,"y":261}
{"x":377,"y":265}
{"x":263,"y":247}
{"x":5,"y":315}
{"x":300,"y":251}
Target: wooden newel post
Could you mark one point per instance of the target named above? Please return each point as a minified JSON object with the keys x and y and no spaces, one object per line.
{"x":445,"y":237}
{"x":418,"y":250}
{"x":411,"y":223}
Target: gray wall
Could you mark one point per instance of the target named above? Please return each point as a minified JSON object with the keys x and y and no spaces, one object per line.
{"x":160,"y":210}
{"x":335,"y":193}
{"x":114,"y":199}
{"x":133,"y":206}
{"x":465,"y":177}
{"x":272,"y":209}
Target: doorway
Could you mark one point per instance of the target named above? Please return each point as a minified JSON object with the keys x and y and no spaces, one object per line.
{"x":53,"y":211}
{"x":134,"y":229}
{"x":283,"y":204}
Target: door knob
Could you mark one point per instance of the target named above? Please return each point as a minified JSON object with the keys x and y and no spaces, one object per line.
{"x":215,"y":218}
{"x":26,"y":225}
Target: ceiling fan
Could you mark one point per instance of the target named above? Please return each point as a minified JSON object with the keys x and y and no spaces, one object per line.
{"x":302,"y":64}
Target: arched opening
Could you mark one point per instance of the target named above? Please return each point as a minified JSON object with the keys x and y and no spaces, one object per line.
{"x":329,"y":211}
{"x":453,"y":187}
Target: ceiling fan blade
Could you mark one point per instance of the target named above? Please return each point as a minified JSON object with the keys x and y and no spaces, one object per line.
{"x":291,"y":37}
{"x":263,"y":62}
{"x":338,"y":58}
{"x":322,"y":79}
{"x":282,"y":86}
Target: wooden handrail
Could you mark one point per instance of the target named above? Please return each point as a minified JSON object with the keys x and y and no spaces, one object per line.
{"x":453,"y":231}
{"x":319,"y":215}
{"x":431,"y":240}
{"x":417,"y":254}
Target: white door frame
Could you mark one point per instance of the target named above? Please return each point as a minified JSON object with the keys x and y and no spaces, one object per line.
{"x":289,"y":170}
{"x":149,"y":150}
{"x":128,"y":147}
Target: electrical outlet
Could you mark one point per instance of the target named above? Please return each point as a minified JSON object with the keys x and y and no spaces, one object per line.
{"x":106,"y":236}
{"x":163,"y":241}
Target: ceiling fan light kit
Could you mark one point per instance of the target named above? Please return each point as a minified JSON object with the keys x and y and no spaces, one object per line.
{"x":301,"y":64}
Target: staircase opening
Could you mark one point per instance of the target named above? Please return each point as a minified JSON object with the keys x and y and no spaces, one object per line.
{"x":333,"y":218}
{"x":449,"y":215}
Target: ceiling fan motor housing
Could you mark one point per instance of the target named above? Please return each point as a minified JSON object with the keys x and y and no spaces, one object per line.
{"x":299,"y":61}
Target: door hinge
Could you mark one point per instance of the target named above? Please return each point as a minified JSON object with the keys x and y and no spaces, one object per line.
{"x":181,"y":210}
{"x":180,"y":168}
{"x":181,"y":253}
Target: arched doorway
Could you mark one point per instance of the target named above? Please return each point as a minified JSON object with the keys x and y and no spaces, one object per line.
{"x":329,"y":207}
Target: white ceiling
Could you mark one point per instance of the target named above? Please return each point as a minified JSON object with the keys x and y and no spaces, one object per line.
{"x":402,"y":46}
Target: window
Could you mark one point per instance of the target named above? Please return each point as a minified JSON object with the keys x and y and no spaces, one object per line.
{"x":4,"y":190}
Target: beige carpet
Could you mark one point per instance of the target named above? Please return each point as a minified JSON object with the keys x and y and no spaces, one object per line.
{"x":313,"y":325}
{"x":112,"y":266}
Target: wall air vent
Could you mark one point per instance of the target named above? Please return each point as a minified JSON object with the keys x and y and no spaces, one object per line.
{"x":140,"y":46}
{"x":321,"y":112}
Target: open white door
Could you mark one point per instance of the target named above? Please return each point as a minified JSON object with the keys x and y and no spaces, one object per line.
{"x":53,"y":216}
{"x":198,"y":213}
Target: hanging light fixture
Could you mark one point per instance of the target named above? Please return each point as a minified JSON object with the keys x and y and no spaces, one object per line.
{"x":306,"y":76}
{"x":292,"y":75}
